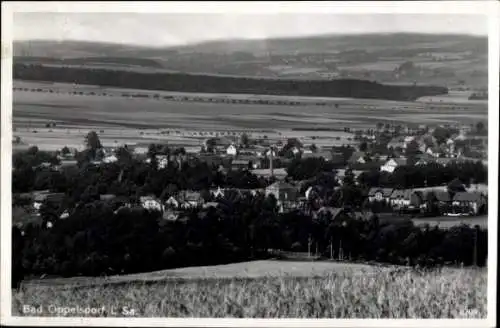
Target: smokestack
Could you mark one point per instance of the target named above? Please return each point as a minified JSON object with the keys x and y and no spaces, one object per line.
{"x":271,"y":161}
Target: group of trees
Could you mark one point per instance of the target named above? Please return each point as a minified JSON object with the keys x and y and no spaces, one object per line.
{"x":218,"y":84}
{"x":102,"y":238}
{"x":428,"y":175}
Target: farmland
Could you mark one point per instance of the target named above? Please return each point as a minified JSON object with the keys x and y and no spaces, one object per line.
{"x":271,"y":289}
{"x":126,"y":119}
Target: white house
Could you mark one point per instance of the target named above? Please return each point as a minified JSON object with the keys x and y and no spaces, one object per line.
{"x":173,"y":202}
{"x":150,"y":203}
{"x":379,"y":194}
{"x":231,"y":150}
{"x":400,"y":197}
{"x":433,"y":151}
{"x":219,"y":193}
{"x":110,"y":159}
{"x":162,"y":161}
{"x":392,"y":164}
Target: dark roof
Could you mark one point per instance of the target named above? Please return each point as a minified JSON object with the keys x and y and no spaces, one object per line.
{"x":386,"y":192}
{"x":399,"y":161}
{"x":49,"y":197}
{"x":192,"y":196}
{"x":401,"y":193}
{"x":240,"y":162}
{"x":281,"y":185}
{"x":356,"y":155}
{"x":468,"y":196}
{"x":324,"y":154}
{"x":334,"y":211}
{"x":442,"y":196}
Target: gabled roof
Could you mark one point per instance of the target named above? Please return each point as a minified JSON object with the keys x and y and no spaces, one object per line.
{"x":334,"y":211}
{"x":49,"y":197}
{"x":355,"y":156}
{"x":324,"y":154}
{"x":468,"y":196}
{"x":401,"y":194}
{"x":398,"y":161}
{"x":191,"y":196}
{"x":281,"y":185}
{"x":240,"y":162}
{"x":106,"y":197}
{"x":444,"y":161}
{"x":442,"y":196}
{"x":386,"y":192}
{"x":146,"y":198}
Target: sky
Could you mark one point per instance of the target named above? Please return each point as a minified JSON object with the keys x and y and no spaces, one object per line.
{"x":177,"y":29}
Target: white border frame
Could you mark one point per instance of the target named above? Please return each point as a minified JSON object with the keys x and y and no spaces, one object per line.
{"x":488,"y":8}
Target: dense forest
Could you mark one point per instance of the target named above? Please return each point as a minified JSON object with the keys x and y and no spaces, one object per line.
{"x":217,"y":84}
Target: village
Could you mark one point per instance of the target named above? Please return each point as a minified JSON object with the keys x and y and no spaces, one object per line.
{"x":382,"y":151}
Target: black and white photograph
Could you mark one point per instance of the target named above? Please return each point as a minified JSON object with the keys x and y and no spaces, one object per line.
{"x":209,"y":162}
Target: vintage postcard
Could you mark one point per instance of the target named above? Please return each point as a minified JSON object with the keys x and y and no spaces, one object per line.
{"x":249,"y":164}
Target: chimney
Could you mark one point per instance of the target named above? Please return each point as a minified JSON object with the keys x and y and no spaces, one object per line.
{"x":271,"y":162}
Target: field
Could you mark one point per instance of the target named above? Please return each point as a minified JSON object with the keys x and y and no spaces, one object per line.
{"x":123,"y":118}
{"x":271,"y":289}
{"x":447,"y":222}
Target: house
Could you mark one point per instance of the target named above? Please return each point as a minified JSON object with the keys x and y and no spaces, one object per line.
{"x":442,"y":197}
{"x":425,"y":159}
{"x":107,"y":197}
{"x":295,"y":151}
{"x":396,"y":143}
{"x":379,"y":194}
{"x":173,"y":202}
{"x":170,"y":215}
{"x":283,"y":191}
{"x":43,"y":165}
{"x":232,"y":150}
{"x":363,"y":215}
{"x":191,"y":199}
{"x":240,"y":164}
{"x":217,"y":193}
{"x":151,"y":203}
{"x":326,"y":155}
{"x":331,"y":212}
{"x":48,"y":197}
{"x":271,"y":152}
{"x":357,"y":157}
{"x":64,"y":215}
{"x":65,"y":164}
{"x":392,"y":164}
{"x":400,"y":198}
{"x":110,"y":159}
{"x":445,"y":161}
{"x":313,"y":190}
{"x":469,"y":202}
{"x":140,"y":150}
{"x":434,"y":151}
{"x":211,"y":204}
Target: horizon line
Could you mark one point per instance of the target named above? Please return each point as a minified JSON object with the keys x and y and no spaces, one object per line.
{"x":277,"y":38}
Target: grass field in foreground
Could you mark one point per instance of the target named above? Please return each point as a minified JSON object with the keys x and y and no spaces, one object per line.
{"x":351,"y":293}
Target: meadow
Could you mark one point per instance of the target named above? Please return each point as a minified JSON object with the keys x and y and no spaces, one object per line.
{"x":109,"y":109}
{"x":295,"y":290}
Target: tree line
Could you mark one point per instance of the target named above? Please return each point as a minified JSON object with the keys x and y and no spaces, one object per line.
{"x":100,"y":238}
{"x":218,"y":84}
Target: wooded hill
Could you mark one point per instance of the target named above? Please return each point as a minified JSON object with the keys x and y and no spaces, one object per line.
{"x":183,"y":82}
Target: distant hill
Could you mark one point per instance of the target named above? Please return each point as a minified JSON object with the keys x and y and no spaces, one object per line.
{"x":437,"y":59}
